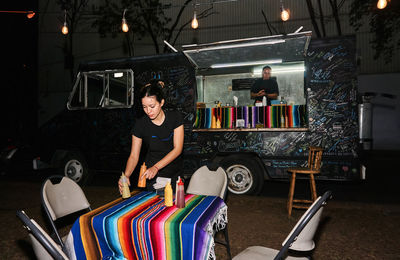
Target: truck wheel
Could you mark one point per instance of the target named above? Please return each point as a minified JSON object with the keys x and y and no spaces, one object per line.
{"x":244,"y":176}
{"x":75,"y":167}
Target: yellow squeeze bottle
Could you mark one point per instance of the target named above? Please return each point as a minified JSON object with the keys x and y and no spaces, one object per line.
{"x":142,"y":181}
{"x":125,"y":188}
{"x":168,"y":195}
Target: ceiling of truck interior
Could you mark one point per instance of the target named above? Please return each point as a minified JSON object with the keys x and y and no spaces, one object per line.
{"x":251,"y":51}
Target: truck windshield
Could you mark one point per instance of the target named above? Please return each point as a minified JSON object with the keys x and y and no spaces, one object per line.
{"x":102,"y":89}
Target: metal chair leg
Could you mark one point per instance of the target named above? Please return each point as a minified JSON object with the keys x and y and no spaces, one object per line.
{"x":226,"y":242}
{"x":228,"y":247}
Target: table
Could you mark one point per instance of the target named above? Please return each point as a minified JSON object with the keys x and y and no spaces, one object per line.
{"x":141,"y":227}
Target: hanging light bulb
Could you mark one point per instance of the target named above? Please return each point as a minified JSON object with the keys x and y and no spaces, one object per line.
{"x":285,"y":14}
{"x":381,"y":4}
{"x":64,"y":29}
{"x":30,"y":14}
{"x":125,"y":27}
{"x":195,"y":23}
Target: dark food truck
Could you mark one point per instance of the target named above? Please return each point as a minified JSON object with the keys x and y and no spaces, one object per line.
{"x":210,"y":84}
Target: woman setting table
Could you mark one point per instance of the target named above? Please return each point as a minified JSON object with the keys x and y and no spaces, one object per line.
{"x":162,"y":133}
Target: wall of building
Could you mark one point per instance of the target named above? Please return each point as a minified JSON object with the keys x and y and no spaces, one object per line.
{"x":229,"y":20}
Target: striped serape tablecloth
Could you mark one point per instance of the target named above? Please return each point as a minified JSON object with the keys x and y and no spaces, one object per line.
{"x":141,"y":227}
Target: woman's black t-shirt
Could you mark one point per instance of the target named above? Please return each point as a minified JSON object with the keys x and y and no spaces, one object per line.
{"x":159,"y":141}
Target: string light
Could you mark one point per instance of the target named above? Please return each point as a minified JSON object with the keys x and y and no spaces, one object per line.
{"x":125,"y":27}
{"x":285,"y":13}
{"x":381,"y":4}
{"x":29,"y":14}
{"x":64,"y":29}
{"x":195,"y":22}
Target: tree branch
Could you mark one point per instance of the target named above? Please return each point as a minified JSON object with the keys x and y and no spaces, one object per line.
{"x":202,"y":15}
{"x":321,"y":18}
{"x":312,"y":16}
{"x":266,"y":22}
{"x":336,"y":15}
{"x":149,"y":27}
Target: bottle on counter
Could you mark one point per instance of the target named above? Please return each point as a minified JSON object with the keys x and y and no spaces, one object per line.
{"x":264,"y":101}
{"x":142,"y":181}
{"x":180,"y":194}
{"x":168,"y":195}
{"x":125,"y":187}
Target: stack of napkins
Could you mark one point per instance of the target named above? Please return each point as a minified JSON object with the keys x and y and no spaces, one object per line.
{"x":161,"y":182}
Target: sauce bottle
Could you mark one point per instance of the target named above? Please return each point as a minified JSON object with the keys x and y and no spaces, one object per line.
{"x":142,"y":181}
{"x":180,"y":195}
{"x":168,"y":195}
{"x":125,"y":188}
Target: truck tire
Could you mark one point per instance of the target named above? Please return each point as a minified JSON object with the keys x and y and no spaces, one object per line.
{"x":75,"y":167}
{"x":244,"y":175}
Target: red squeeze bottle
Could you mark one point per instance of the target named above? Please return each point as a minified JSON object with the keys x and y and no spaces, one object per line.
{"x":180,"y":195}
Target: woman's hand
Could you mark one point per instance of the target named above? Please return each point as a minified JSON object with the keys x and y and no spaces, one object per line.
{"x":120,"y":183}
{"x":150,"y":173}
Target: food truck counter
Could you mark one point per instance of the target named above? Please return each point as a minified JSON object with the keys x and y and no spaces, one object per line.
{"x":226,"y":72}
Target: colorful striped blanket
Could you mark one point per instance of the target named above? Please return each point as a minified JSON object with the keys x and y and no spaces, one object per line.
{"x":141,"y":227}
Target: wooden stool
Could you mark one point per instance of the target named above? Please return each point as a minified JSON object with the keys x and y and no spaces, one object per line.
{"x":313,"y":167}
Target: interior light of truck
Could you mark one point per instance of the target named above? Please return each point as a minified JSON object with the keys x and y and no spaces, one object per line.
{"x":118,"y":74}
{"x":280,"y":69}
{"x":248,"y":63}
{"x":238,"y":45}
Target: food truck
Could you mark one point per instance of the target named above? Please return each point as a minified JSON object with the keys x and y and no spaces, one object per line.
{"x":210,"y":84}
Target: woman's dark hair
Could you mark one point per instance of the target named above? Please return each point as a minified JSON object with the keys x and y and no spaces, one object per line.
{"x":153,"y":88}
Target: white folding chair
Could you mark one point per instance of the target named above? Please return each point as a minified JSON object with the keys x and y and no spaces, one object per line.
{"x":61,"y":199}
{"x":207,"y":182}
{"x":43,"y":245}
{"x":211,"y":183}
{"x":299,"y":239}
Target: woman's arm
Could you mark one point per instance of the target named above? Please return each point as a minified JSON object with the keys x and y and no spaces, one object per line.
{"x":172,"y":155}
{"x":132,"y":160}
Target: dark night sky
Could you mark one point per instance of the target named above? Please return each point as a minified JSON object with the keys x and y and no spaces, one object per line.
{"x":18,"y":71}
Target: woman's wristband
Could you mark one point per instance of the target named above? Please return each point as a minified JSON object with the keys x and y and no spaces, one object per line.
{"x":156,"y":168}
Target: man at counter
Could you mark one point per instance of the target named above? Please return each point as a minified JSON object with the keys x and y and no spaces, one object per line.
{"x":265,"y":87}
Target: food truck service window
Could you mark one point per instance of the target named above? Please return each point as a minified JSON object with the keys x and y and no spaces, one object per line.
{"x":227,"y":72}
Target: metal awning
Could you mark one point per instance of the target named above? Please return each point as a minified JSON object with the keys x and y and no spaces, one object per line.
{"x":250,"y":51}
